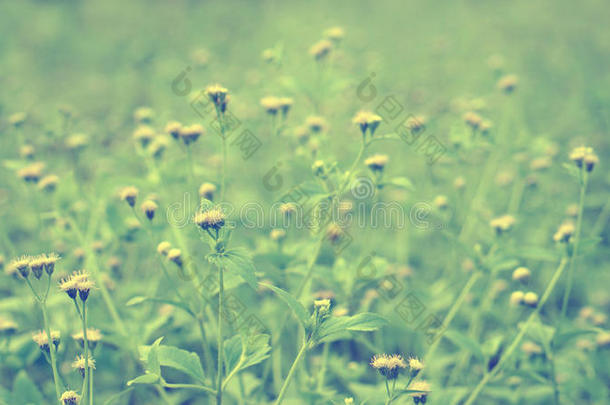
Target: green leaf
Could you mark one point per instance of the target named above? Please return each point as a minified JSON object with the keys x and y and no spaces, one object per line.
{"x":25,"y":391}
{"x":144,"y":379}
{"x":400,"y":182}
{"x":238,"y":260}
{"x":363,"y":322}
{"x":298,"y":308}
{"x":152,"y":360}
{"x":257,"y":350}
{"x":176,"y":358}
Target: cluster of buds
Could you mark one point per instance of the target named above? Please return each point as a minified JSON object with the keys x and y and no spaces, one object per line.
{"x":367,"y":121}
{"x":273,"y":105}
{"x":388,"y":365}
{"x":189,"y":134}
{"x":584,"y":155}
{"x":77,"y":284}
{"x":502,"y":224}
{"x":529,"y":299}
{"x":219,"y":96}
{"x":31,"y":173}
{"x":35,"y":264}
{"x":42,"y":340}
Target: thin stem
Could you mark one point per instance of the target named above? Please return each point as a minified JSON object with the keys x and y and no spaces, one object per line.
{"x":549,"y":289}
{"x":207,"y":354}
{"x":576,"y":238}
{"x":47,"y":329}
{"x":86,"y":382}
{"x":90,"y":386}
{"x":220,"y":349}
{"x":322,"y":374}
{"x":293,"y":368}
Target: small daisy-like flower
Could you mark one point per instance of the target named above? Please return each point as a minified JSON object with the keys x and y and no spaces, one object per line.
{"x":49,"y":262}
{"x":335,"y":34}
{"x":423,"y":388}
{"x":564,"y":232}
{"x":191,"y":133}
{"x":94,"y":336}
{"x":20,"y":265}
{"x":271,"y":104}
{"x":42,"y":340}
{"x":207,"y":190}
{"x":48,"y":183}
{"x":376,"y":162}
{"x":79,"y":364}
{"x":69,"y":286}
{"x":173,"y":128}
{"x":277,"y":235}
{"x":415,"y":366}
{"x":129,"y":194}
{"x":415,"y":123}
{"x":367,"y":120}
{"x":31,"y":173}
{"x":77,"y":142}
{"x":334,"y":232}
{"x":316,"y":123}
{"x":83,"y":284}
{"x":590,"y":161}
{"x":388,"y":366}
{"x":485,"y":127}
{"x":218,"y":95}
{"x":158,"y":146}
{"x":321,"y":49}
{"x":164,"y":247}
{"x":210,"y":219}
{"x":521,"y":274}
{"x":579,"y":154}
{"x":70,"y":398}
{"x":441,"y":202}
{"x":288,"y":209}
{"x":503,"y":223}
{"x":149,"y":207}
{"x":516,"y":298}
{"x":473,"y":119}
{"x":143,"y":115}
{"x":37,"y":265}
{"x":508,"y":83}
{"x":175,"y":255}
{"x":530,"y":299}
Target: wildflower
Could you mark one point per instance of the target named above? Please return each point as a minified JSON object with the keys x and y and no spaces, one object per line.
{"x":367,"y":120}
{"x":508,"y":83}
{"x":316,"y":123}
{"x":603,"y":340}
{"x":322,"y":306}
{"x":334,"y":232}
{"x":335,"y":34}
{"x":320,"y":49}
{"x":503,"y":223}
{"x":318,"y":168}
{"x":48,"y":183}
{"x":584,"y":154}
{"x":69,"y":285}
{"x":530,"y":299}
{"x":376,"y":162}
{"x":26,"y":151}
{"x":191,"y":133}
{"x":79,"y":364}
{"x":590,"y":161}
{"x":70,"y":398}
{"x":473,"y":119}
{"x":94,"y":336}
{"x":415,"y":124}
{"x":143,"y":115}
{"x":277,"y":235}
{"x":441,"y":202}
{"x":423,"y":388}
{"x":31,"y":173}
{"x":213,"y":218}
{"x":17,"y":119}
{"x":20,"y":265}
{"x":175,"y":255}
{"x":521,"y":274}
{"x":564,"y":232}
{"x":158,"y":146}
{"x":271,"y":104}
{"x":348,"y":401}
{"x":149,"y":207}
{"x":42,"y":340}
{"x":218,"y":95}
{"x":129,"y":194}
{"x":77,"y":142}
{"x":173,"y":128}
{"x":144,"y":135}
{"x":37,"y":265}
{"x":163,"y":248}
{"x":287,"y":209}
{"x":207,"y":190}
{"x":7,"y":327}
{"x":415,"y":366}
{"x":388,"y":366}
{"x":516,"y":298}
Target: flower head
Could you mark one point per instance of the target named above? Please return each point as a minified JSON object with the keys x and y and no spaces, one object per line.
{"x":144,"y":134}
{"x":277,"y":235}
{"x":218,"y":95}
{"x":191,"y":133}
{"x":508,"y":83}
{"x":31,"y":173}
{"x":164,"y":247}
{"x":42,"y":339}
{"x":79,"y":364}
{"x":502,"y":224}
{"x":564,"y":232}
{"x":316,"y":123}
{"x":129,"y":194}
{"x":149,"y":207}
{"x":335,"y":34}
{"x":521,"y":274}
{"x":423,"y":388}
{"x":210,"y":219}
{"x":175,"y":255}
{"x":20,"y":265}
{"x":94,"y":336}
{"x":7,"y":327}
{"x":473,"y":119}
{"x":173,"y":128}
{"x":388,"y":366}
{"x":48,"y":183}
{"x":367,"y":120}
{"x":70,"y":398}
{"x":376,"y":162}
{"x":207,"y":190}
{"x":321,"y":49}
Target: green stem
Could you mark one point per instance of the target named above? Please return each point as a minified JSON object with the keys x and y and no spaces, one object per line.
{"x":220,"y":349}
{"x":524,"y":328}
{"x":293,"y":368}
{"x":86,"y":382}
{"x":576,"y":238}
{"x":47,"y":329}
{"x":322,"y":374}
{"x":207,"y":353}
